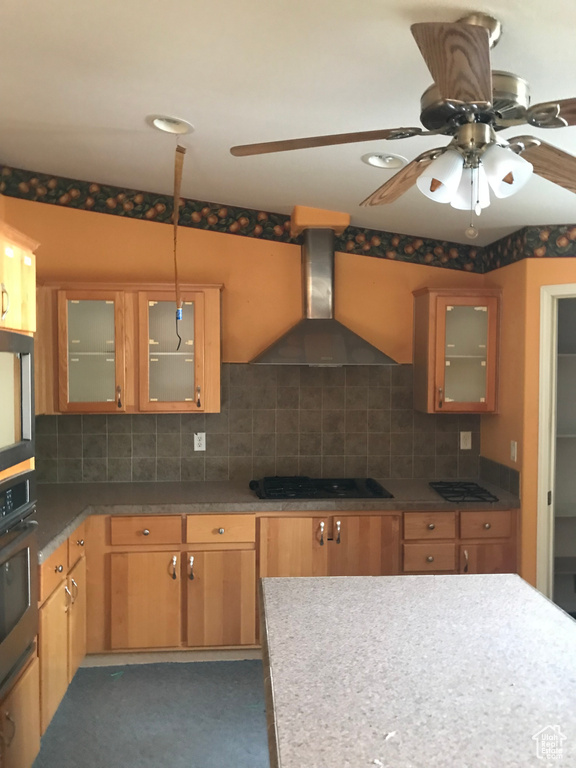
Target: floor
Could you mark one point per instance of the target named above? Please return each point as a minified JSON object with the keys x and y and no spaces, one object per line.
{"x":207,"y":714}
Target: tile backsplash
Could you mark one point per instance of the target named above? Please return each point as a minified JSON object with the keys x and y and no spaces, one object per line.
{"x":351,"y":421}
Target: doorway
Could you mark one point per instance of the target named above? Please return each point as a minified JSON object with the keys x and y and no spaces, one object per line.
{"x":556,"y":565}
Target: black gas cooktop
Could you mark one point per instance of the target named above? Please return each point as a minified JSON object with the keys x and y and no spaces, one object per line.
{"x":301,"y":487}
{"x":461,"y":491}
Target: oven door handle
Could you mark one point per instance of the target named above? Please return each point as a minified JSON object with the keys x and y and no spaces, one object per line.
{"x":15,"y":545}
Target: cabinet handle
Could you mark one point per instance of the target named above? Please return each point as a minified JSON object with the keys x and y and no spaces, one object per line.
{"x":75,"y":592}
{"x":119,"y":396}
{"x":191,"y":577}
{"x":70,"y":600}
{"x":430,"y":559}
{"x":58,"y":569}
{"x":338,"y":526}
{"x":80,"y":542}
{"x":487,"y":526}
{"x":198,"y":405}
{"x":322,"y":534}
{"x":465,"y":561}
{"x":4,"y":293}
{"x":8,"y":740}
{"x":220,"y":530}
{"x":431,"y":526}
{"x":440,"y":399}
{"x":174,"y":563}
{"x":145,"y":532}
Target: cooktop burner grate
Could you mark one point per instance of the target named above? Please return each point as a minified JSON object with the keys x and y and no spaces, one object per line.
{"x":461,"y":492}
{"x":302,"y":487}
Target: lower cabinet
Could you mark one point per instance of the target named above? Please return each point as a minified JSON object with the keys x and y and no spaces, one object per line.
{"x":62,"y":636}
{"x":145,"y":600}
{"x":339,"y":545}
{"x":221,"y":598}
{"x":20,"y":720}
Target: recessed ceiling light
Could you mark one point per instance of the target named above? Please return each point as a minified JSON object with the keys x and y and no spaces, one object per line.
{"x":387,"y":161}
{"x":169,"y":124}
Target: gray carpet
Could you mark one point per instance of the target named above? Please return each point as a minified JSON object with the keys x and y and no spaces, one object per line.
{"x":185,"y":715}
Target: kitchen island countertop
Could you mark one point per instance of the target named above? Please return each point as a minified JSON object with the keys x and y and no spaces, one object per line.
{"x":417,"y":672}
{"x":62,"y":507}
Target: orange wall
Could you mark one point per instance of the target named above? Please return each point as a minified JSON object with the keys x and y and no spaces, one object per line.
{"x":262,"y":284}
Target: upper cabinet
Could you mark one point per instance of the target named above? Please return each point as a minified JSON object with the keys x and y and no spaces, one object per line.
{"x":17,"y":280}
{"x":114,"y":349}
{"x":456,"y":350}
{"x":91,"y":351}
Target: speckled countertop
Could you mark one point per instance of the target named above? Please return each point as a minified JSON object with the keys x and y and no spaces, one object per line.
{"x":62,"y":507}
{"x":416,"y":672}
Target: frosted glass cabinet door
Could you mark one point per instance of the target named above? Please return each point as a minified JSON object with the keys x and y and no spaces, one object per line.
{"x":91,"y":351}
{"x":466,"y":353}
{"x":171,"y":370}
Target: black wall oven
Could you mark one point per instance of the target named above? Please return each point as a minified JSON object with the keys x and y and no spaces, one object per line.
{"x":17,"y":398}
{"x":18,"y":576}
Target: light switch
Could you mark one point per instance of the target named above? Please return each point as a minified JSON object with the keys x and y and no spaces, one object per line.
{"x":513,"y":450}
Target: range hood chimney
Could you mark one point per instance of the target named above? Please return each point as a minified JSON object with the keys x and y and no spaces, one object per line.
{"x":319,"y":339}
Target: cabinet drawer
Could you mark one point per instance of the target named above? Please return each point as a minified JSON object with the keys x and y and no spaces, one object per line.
{"x":429,"y":525}
{"x":146,"y":529}
{"x":429,"y":557}
{"x":216,"y":529}
{"x":76,"y":545}
{"x":485,"y":525}
{"x":53,"y":571}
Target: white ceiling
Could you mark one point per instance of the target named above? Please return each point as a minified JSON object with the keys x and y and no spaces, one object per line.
{"x":78,"y":80}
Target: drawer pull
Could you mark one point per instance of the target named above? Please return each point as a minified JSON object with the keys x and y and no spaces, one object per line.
{"x":220,"y":531}
{"x":191,"y":577}
{"x":146,"y":532}
{"x":174,"y":562}
{"x":4,"y":293}
{"x":9,"y":739}
{"x":465,"y":561}
{"x":338,"y":526}
{"x":322,"y":534}
{"x":80,"y":542}
{"x":59,"y":569}
{"x":75,"y":588}
{"x":487,"y":526}
{"x":430,"y":559}
{"x":70,"y":599}
{"x":431,"y":526}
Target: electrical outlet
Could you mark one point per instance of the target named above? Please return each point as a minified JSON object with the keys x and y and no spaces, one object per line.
{"x":199,"y":441}
{"x":513,"y":450}
{"x":465,"y":441}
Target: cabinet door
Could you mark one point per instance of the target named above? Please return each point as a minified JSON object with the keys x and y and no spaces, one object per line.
{"x":53,"y":652}
{"x":20,"y":721}
{"x":221,"y":598}
{"x":365,"y":545}
{"x":292,"y":546}
{"x":171,"y":371}
{"x":466,"y":340}
{"x":91,"y":351}
{"x":77,"y":617}
{"x":145,"y":600}
{"x":488,"y":558}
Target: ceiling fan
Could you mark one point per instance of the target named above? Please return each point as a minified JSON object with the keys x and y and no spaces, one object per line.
{"x":470,"y":103}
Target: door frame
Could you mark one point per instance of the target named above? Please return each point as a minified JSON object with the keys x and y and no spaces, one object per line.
{"x":549,"y":296}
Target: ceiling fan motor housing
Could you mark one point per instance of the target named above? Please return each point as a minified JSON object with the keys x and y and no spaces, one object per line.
{"x":510,"y":101}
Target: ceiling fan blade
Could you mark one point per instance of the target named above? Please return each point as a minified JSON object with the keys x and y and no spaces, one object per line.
{"x":549,"y":162}
{"x":401,"y":181}
{"x":458,"y":57}
{"x":553,"y":114}
{"x":322,"y":141}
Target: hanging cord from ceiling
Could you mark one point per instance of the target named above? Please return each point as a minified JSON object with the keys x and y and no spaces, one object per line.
{"x":178,"y":165}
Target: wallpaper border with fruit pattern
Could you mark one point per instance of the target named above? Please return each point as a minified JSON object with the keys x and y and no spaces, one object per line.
{"x":530,"y":242}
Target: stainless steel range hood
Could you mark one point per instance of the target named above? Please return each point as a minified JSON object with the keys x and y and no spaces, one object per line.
{"x":319,"y":339}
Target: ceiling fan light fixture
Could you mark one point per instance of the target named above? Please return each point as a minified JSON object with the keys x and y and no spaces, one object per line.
{"x":473,"y":193}
{"x":441,"y":178}
{"x":506,"y":171}
{"x":169,"y":124}
{"x":387,"y":161}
